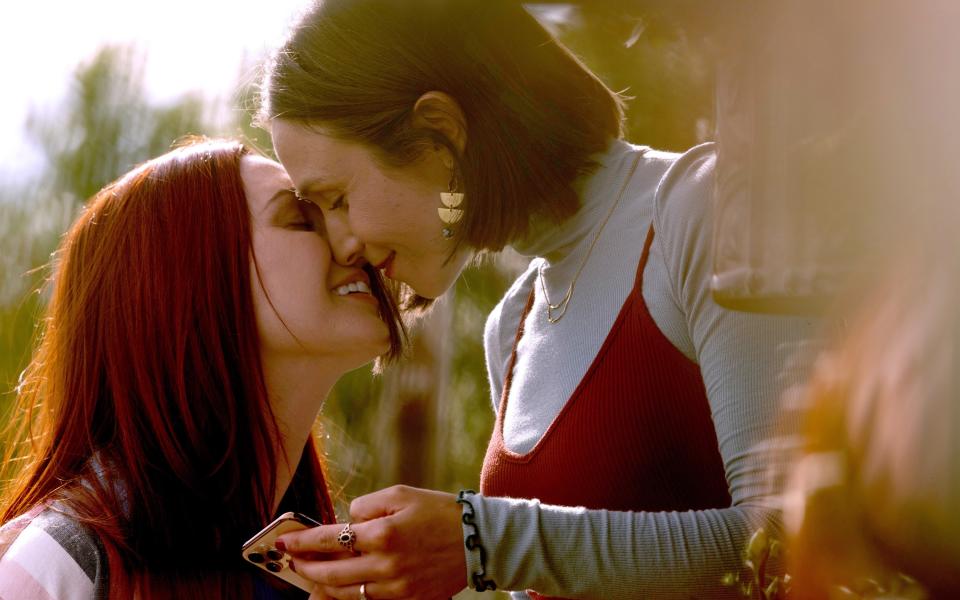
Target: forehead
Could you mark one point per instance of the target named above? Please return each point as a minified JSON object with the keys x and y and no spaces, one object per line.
{"x":314,"y":157}
{"x":262,"y":179}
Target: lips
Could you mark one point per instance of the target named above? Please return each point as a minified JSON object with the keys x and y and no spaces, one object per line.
{"x":386,"y":266}
{"x":358,"y":277}
{"x":353,"y":288}
{"x":356,"y":287}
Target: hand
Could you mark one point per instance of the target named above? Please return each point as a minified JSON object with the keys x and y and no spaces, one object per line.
{"x":410,"y":543}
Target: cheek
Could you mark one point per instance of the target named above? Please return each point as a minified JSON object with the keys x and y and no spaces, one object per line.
{"x":293,"y":274}
{"x":375,"y":219}
{"x":394,"y":213}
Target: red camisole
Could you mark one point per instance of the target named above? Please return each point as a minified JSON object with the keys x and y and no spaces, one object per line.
{"x":636,"y":435}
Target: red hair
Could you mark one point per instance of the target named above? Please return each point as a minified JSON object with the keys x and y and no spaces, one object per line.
{"x":147,"y":413}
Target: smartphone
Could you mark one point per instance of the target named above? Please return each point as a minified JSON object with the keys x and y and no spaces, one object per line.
{"x":262,"y":551}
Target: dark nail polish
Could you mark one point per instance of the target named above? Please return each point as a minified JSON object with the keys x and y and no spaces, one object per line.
{"x":280,"y":545}
{"x":293,"y":567}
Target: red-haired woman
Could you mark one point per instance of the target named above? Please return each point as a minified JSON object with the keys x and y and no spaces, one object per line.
{"x":196,"y":326}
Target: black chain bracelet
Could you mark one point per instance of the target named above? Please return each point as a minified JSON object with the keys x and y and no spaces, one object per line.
{"x":479,"y":578}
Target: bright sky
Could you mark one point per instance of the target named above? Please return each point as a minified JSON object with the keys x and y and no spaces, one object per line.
{"x":189,"y":44}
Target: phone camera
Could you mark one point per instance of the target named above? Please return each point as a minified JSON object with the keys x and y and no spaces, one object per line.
{"x":274,"y":554}
{"x":274,"y":567}
{"x":255,"y":557}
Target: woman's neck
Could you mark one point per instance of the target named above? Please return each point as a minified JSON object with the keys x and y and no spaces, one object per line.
{"x":557,"y":241}
{"x":297,"y":388}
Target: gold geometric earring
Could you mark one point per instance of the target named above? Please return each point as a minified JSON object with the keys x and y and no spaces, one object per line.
{"x":450,"y":213}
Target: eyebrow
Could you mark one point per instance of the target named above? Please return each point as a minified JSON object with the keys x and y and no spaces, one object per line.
{"x":316,"y":186}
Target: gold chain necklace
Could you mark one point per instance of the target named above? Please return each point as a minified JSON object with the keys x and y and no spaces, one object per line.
{"x":562,"y":305}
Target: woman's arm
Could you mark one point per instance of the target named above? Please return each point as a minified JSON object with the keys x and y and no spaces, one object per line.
{"x":52,"y":558}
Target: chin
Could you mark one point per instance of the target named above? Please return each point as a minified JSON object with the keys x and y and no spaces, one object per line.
{"x":433,"y":289}
{"x":376,"y":350}
{"x":445,"y":277}
{"x":384,"y":348}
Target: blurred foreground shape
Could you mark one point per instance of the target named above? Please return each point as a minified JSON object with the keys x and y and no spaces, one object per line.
{"x":837,"y":132}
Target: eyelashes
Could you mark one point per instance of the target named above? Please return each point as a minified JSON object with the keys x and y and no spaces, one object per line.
{"x":309,"y":218}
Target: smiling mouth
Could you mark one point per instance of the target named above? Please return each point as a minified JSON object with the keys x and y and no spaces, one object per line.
{"x":356,"y":287}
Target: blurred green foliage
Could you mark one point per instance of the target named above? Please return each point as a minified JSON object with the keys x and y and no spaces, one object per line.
{"x":104,"y":127}
{"x":425,"y":422}
{"x":659,"y":59}
{"x":108,"y":124}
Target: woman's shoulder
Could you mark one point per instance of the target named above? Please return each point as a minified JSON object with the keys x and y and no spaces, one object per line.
{"x":48,"y":555}
{"x":682,"y":215}
{"x":691,"y":167}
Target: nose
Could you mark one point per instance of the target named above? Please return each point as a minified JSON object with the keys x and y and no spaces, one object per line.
{"x":347,"y":247}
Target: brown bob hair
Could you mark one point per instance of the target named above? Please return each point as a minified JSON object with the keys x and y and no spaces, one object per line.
{"x":535,"y":114}
{"x":144,"y":413}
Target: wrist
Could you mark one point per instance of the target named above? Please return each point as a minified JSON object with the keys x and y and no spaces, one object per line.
{"x":476,"y":553}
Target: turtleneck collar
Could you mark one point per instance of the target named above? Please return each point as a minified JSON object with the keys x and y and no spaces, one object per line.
{"x":597,"y":192}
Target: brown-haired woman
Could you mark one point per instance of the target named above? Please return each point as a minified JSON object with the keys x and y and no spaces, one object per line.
{"x":196,"y":325}
{"x":429,"y":130}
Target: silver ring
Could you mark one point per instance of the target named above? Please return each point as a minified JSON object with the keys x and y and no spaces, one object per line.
{"x":363,"y":592}
{"x":347,"y":537}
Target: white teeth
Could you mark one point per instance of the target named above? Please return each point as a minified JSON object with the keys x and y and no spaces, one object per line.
{"x":356,"y":286}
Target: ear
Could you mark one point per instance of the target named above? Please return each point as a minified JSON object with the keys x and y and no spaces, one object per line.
{"x":441,"y":112}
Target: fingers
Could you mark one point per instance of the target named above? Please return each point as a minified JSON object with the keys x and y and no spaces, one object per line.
{"x":344,"y":572}
{"x":319,"y":593}
{"x":322,"y":539}
{"x":370,"y":507}
{"x":373,"y":591}
{"x":345,"y":593}
{"x":397,"y":560}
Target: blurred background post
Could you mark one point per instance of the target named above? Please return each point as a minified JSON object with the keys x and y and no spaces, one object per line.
{"x":837,"y":135}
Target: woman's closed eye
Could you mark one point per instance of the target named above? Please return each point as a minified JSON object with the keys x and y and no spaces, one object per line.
{"x":300,"y":225}
{"x":312,"y":216}
{"x":301,"y":215}
{"x":338,"y":203}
